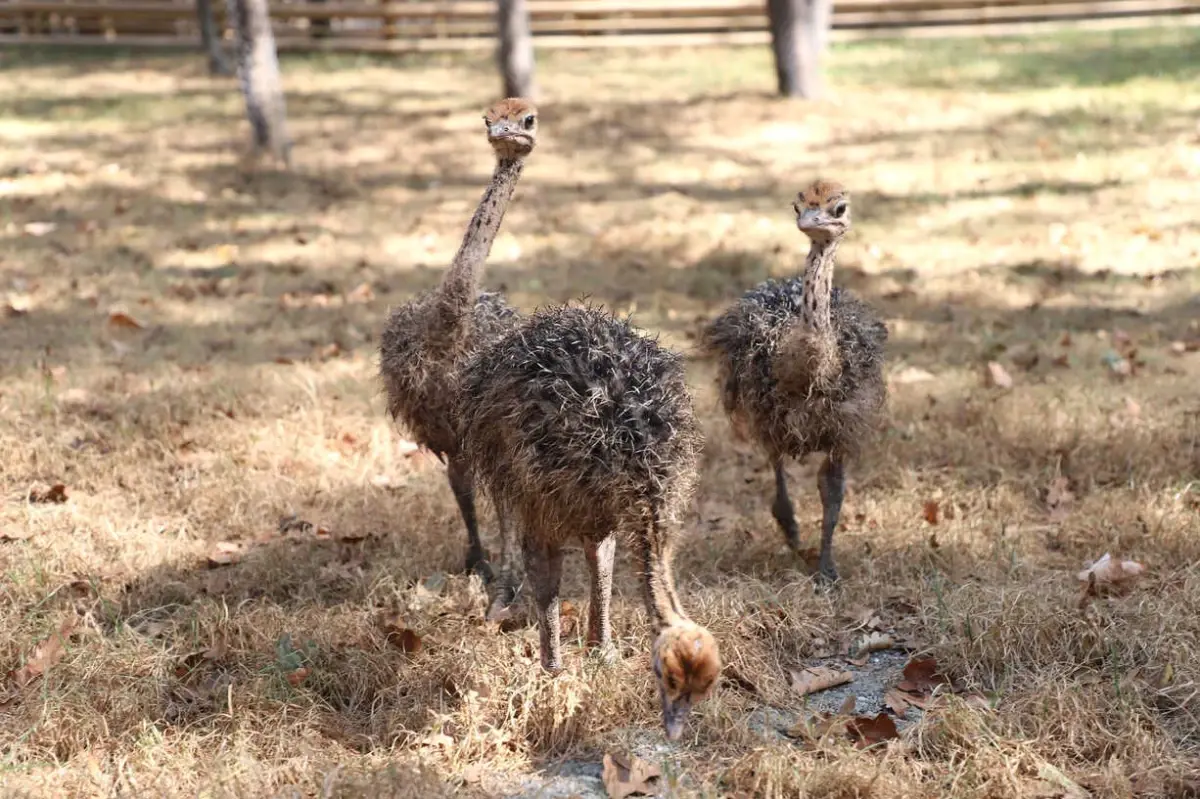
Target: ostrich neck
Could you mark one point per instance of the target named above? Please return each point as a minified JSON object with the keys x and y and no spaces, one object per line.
{"x":461,"y":282}
{"x":658,"y":584}
{"x":818,"y":286}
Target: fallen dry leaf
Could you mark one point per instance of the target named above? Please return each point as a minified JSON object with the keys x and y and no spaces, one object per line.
{"x":18,"y":304}
{"x":298,"y":676}
{"x":932,"y":511}
{"x":48,"y":652}
{"x":998,"y":376}
{"x":867,"y":730}
{"x":921,"y":676}
{"x":330,"y":350}
{"x":56,"y":493}
{"x":911,"y":374}
{"x":898,"y":701}
{"x":867,"y":618}
{"x":472,"y":773}
{"x":1059,"y":498}
{"x":39,"y":229}
{"x":1107,"y":576}
{"x":628,"y":775}
{"x":400,"y":636}
{"x":817,"y":678}
{"x":122,"y":319}
{"x":1071,"y":789}
{"x":215,"y":653}
{"x":814,"y":728}
{"x":361,"y":293}
{"x":977,"y":701}
{"x":875,"y":642}
{"x":224,"y":553}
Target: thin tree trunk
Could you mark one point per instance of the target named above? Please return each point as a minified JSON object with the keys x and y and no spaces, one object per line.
{"x":797,"y":39}
{"x":318,"y":27}
{"x":516,"y":49}
{"x":211,"y":40}
{"x":822,"y":25}
{"x":258,"y":74}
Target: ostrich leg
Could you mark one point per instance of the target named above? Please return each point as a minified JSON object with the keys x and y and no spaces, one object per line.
{"x":831,"y":482}
{"x":543,"y":563}
{"x":600,"y":555}
{"x":784,"y":513}
{"x":463,"y":486}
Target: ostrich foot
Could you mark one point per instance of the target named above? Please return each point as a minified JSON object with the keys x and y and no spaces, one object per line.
{"x":477,"y":563}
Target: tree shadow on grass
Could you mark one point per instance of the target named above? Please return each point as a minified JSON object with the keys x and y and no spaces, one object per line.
{"x":1012,"y":64}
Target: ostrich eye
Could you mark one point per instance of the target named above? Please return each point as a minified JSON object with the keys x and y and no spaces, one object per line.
{"x":529,"y":120}
{"x":839,"y":210}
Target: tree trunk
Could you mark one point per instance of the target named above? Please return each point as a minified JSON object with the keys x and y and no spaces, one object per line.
{"x":211,"y":40}
{"x":258,"y":74}
{"x":516,"y":49}
{"x":822,"y":25}
{"x":798,"y":34}
{"x":318,"y":27}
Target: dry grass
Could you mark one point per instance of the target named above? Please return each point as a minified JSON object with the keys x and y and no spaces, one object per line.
{"x":1008,"y":194}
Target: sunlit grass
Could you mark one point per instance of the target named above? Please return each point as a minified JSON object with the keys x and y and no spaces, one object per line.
{"x":1024,"y":201}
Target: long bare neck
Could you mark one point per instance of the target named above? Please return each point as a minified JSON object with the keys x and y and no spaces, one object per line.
{"x":460,"y":285}
{"x":818,"y":287}
{"x":658,"y":583}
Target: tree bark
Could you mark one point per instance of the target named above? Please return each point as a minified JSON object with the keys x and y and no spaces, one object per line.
{"x":822,"y":25}
{"x":515,"y":52}
{"x":799,"y":32}
{"x":211,"y":40}
{"x":258,"y":73}
{"x":318,"y":27}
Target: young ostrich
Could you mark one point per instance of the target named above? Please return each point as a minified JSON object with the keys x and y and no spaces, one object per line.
{"x":584,"y":429}
{"x":801,"y":366}
{"x":426,"y":340}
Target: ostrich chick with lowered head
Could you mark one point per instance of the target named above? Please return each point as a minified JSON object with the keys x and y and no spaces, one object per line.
{"x":801,"y":366}
{"x":427,"y":339}
{"x":584,"y":429}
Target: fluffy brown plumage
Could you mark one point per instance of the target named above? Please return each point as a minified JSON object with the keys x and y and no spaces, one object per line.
{"x":427,"y":339}
{"x":801,"y":365}
{"x":583,"y":428}
{"x":687,"y":666}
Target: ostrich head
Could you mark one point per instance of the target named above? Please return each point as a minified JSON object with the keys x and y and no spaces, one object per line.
{"x":686,"y":666}
{"x":823,"y":210}
{"x":512,"y":127}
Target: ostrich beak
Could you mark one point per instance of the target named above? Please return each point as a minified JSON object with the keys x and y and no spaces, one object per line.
{"x":675,"y":716}
{"x":503,"y":129}
{"x":809,"y":219}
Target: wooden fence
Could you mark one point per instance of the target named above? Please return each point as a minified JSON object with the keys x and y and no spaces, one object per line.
{"x":410,"y":25}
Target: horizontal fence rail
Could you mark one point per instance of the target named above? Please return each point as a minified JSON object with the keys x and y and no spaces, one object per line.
{"x":418,"y":25}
